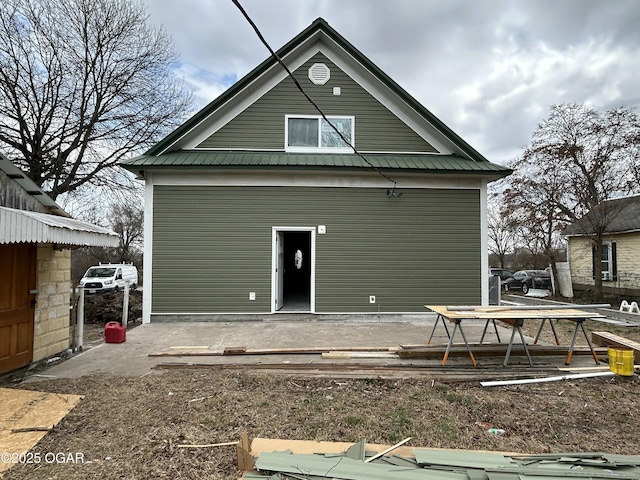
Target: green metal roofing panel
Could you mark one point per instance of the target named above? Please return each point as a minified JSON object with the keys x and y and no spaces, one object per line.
{"x":445,"y":464}
{"x":194,"y":159}
{"x":346,"y":468}
{"x":465,"y":459}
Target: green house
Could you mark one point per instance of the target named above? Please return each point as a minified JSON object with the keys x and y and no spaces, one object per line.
{"x":358,"y":201}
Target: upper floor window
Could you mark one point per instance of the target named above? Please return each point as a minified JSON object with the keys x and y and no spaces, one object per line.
{"x":310,"y":133}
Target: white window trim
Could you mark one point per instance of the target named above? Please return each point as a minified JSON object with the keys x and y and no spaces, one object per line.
{"x":608,"y":273}
{"x":319,"y":149}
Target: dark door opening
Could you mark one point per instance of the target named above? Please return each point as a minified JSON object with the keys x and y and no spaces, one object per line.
{"x":296,"y":277}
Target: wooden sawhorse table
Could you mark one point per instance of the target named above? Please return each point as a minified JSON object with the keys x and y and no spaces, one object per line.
{"x":514,"y":316}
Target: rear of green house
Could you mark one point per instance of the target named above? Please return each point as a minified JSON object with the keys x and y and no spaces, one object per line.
{"x":257,"y":206}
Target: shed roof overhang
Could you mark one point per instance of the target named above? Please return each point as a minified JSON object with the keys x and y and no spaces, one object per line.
{"x":21,"y":226}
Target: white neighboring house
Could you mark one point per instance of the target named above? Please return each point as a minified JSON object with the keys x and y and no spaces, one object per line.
{"x":36,"y":238}
{"x":620,"y":220}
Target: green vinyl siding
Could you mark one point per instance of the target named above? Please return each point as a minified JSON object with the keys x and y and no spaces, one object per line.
{"x":213,"y":245}
{"x":261,"y":125}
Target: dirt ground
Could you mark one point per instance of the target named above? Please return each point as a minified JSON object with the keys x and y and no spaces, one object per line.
{"x":131,"y":427}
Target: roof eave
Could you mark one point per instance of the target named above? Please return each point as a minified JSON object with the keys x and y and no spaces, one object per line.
{"x":490,"y":175}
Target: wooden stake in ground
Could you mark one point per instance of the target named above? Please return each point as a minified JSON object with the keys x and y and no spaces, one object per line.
{"x":243,"y":451}
{"x":384,"y":452}
{"x":207,"y":445}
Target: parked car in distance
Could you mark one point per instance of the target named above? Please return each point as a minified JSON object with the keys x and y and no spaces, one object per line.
{"x":500,"y":272}
{"x":527,"y":279}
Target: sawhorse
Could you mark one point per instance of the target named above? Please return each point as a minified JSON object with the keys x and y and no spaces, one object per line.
{"x":579,"y":325}
{"x":457,"y":325}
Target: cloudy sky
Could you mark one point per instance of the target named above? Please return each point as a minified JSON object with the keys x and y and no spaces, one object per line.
{"x":489,"y":69}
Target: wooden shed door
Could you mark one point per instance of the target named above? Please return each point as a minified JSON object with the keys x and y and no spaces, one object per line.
{"x":17,"y":305}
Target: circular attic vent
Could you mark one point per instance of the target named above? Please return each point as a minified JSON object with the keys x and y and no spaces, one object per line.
{"x":319,"y":73}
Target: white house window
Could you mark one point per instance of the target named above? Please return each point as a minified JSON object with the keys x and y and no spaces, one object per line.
{"x":308,"y":133}
{"x":605,"y":260}
{"x":608,"y":261}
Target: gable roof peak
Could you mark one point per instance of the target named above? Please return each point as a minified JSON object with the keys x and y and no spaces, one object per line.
{"x":319,"y":31}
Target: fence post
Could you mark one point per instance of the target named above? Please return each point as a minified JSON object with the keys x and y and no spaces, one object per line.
{"x":125,"y":304}
{"x":80,"y":319}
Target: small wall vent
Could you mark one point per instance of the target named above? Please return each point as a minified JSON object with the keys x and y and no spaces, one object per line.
{"x":319,"y":73}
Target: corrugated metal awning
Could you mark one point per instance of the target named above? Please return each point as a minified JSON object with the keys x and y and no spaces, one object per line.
{"x":17,"y":226}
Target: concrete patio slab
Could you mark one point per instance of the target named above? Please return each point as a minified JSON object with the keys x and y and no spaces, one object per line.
{"x":131,"y":358}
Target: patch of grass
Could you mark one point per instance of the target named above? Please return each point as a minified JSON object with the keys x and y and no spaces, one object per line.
{"x":353,"y":420}
{"x":447,"y":429}
{"x":314,"y":428}
{"x":456,"y":398}
{"x":216,"y":422}
{"x":401,"y":423}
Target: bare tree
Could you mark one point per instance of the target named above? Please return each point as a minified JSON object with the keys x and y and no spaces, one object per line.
{"x":127,"y":221}
{"x":82,"y":85}
{"x":578,"y":158}
{"x":125,"y":216}
{"x":502,"y":235}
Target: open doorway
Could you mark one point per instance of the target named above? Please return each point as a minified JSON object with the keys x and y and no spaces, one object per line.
{"x":293,"y":270}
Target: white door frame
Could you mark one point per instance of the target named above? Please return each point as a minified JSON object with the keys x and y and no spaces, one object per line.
{"x":276,"y":276}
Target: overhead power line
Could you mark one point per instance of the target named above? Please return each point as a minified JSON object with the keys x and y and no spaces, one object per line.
{"x":390,"y":193}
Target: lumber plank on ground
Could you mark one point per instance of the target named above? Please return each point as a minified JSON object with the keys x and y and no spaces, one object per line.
{"x":493,"y":350}
{"x":358,"y":370}
{"x":606,"y":339}
{"x":341,"y":354}
{"x":186,"y":353}
{"x":302,"y":350}
{"x":240,"y":350}
{"x":499,"y":308}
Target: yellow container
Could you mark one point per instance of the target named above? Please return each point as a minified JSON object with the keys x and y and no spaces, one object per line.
{"x":621,"y":361}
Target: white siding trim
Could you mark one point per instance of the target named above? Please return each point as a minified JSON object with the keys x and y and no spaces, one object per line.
{"x":148,"y":249}
{"x":314,"y":179}
{"x":380,"y":92}
{"x":274,"y":255}
{"x":244,"y":99}
{"x":484,"y":245}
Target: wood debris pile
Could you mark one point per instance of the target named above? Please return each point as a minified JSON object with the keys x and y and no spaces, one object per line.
{"x":357,"y":462}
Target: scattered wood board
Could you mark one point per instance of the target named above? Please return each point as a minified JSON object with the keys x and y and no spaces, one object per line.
{"x":347,"y":355}
{"x":493,"y":350}
{"x":262,"y":445}
{"x":187,"y":353}
{"x":606,"y":339}
{"x":190,"y":347}
{"x":26,"y":416}
{"x":240,"y":350}
{"x":301,"y":350}
{"x":449,"y":374}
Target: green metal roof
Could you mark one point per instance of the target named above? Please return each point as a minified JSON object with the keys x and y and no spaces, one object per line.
{"x":246,"y":159}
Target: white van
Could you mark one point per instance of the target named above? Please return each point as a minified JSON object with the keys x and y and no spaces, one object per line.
{"x":108,"y":277}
